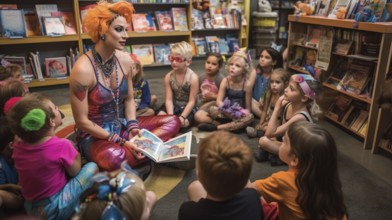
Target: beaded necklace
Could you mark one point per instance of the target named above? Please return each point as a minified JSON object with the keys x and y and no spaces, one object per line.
{"x":107,"y":68}
{"x":116,"y":97}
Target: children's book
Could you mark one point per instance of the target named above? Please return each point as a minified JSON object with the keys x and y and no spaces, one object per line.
{"x":356,"y":77}
{"x":343,"y":47}
{"x":69,"y":21}
{"x":144,"y":53}
{"x":32,"y":25}
{"x":339,"y":4}
{"x":337,"y":72}
{"x":197,"y":19}
{"x":161,"y":53}
{"x":223,"y":46}
{"x":12,"y":23}
{"x":179,"y":19}
{"x":140,"y":22}
{"x":54,"y":26}
{"x":313,"y":36}
{"x":339,"y":107}
{"x":201,"y":47}
{"x":44,"y":10}
{"x":164,"y":20}
{"x":8,"y":6}
{"x":56,"y":67}
{"x":213,"y":44}
{"x":175,"y":149}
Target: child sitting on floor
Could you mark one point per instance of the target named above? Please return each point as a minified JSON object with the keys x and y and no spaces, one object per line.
{"x":45,"y":162}
{"x":223,"y":166}
{"x":310,"y":188}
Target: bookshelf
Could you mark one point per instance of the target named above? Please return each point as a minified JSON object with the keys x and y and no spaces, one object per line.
{"x":59,"y":46}
{"x":377,"y":119}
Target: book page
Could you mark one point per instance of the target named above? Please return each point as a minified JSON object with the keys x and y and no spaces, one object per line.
{"x":148,"y":143}
{"x":176,"y":149}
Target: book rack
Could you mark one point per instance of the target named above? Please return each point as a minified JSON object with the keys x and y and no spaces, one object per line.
{"x":377,"y":119}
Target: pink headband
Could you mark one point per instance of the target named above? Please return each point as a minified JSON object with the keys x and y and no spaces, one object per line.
{"x":10,"y":103}
{"x":301,"y":80}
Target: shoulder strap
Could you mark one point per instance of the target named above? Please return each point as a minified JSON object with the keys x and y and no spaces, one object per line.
{"x":228,"y":83}
{"x":243,"y":84}
{"x":92,"y":64}
{"x":306,"y":115}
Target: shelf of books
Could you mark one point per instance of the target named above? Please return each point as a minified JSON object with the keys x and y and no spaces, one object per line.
{"x":155,"y":26}
{"x":351,"y":60}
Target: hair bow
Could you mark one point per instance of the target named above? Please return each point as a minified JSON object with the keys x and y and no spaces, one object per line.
{"x":276,"y":47}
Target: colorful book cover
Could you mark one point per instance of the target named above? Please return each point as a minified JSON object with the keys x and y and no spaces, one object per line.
{"x":213,"y":44}
{"x":140,"y":22}
{"x":12,"y":23}
{"x":32,"y":25}
{"x":164,"y":20}
{"x":180,"y":21}
{"x":44,"y":10}
{"x":339,"y":107}
{"x":161,"y":53}
{"x":69,"y":21}
{"x":8,"y":6}
{"x":356,"y":77}
{"x":197,"y":19}
{"x":144,"y":52}
{"x":54,"y":26}
{"x":56,"y":67}
{"x":200,"y":44}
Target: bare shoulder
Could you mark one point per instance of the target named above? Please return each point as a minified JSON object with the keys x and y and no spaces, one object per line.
{"x":124,"y":59}
{"x":83,"y":71}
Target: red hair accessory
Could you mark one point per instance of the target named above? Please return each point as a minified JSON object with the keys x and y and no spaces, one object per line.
{"x":10,"y":103}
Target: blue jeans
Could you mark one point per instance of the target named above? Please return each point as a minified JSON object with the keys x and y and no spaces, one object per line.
{"x":62,"y":204}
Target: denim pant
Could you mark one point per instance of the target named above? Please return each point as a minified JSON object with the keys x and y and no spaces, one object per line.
{"x":62,"y":204}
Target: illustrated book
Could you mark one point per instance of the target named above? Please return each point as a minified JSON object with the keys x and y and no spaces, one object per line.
{"x":12,"y":23}
{"x":56,"y":67}
{"x":54,"y":26}
{"x":213,"y":44}
{"x":356,"y":77}
{"x":140,"y":22}
{"x":175,"y":149}
{"x":180,"y":21}
{"x":161,"y":53}
{"x":339,"y":107}
{"x":44,"y":10}
{"x":197,"y":20}
{"x":200,"y":44}
{"x":69,"y":21}
{"x":32,"y":25}
{"x":343,"y":47}
{"x":164,"y":20}
{"x":144,"y":53}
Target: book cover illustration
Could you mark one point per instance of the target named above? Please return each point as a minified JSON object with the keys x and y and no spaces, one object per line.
{"x":54,"y":26}
{"x":197,"y":20}
{"x":69,"y":21}
{"x":44,"y":10}
{"x":179,"y":19}
{"x":343,"y":47}
{"x":338,"y":72}
{"x":140,"y":22}
{"x":144,"y":53}
{"x":161,"y":53}
{"x":313,"y":36}
{"x":176,"y":149}
{"x":200,"y":44}
{"x":213,"y":44}
{"x":56,"y":67}
{"x":356,"y":77}
{"x":339,"y":107}
{"x":324,"y":49}
{"x":32,"y":25}
{"x":12,"y":23}
{"x":164,"y":20}
{"x":223,"y":46}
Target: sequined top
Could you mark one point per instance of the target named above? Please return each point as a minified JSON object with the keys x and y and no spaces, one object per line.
{"x":236,"y":95}
{"x":181,"y":92}
{"x":101,"y":104}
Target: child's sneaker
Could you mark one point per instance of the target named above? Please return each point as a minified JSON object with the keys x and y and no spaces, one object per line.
{"x":252,"y":132}
{"x":261,"y":155}
{"x":207,"y":127}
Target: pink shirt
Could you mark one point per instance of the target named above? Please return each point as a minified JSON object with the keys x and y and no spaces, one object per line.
{"x":41,"y":168}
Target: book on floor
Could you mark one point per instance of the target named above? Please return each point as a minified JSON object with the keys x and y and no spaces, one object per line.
{"x":175,"y":149}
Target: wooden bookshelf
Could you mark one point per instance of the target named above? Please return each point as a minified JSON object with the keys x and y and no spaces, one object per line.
{"x":59,"y":46}
{"x":377,"y":118}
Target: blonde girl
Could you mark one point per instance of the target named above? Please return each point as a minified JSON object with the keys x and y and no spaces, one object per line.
{"x":298,"y":103}
{"x":233,"y":110}
{"x":278,"y":82}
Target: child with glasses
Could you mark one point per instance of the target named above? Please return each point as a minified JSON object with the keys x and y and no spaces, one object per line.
{"x":181,"y":85}
{"x":298,"y":103}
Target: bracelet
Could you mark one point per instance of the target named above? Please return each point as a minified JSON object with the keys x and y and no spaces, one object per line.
{"x":182,"y":117}
{"x":132,"y":124}
{"x":122,"y":142}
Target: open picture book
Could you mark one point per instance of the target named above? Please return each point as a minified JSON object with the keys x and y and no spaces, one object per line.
{"x":175,"y":149}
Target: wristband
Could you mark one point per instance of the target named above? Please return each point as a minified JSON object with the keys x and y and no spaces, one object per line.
{"x":122,"y":142}
{"x":132,"y":124}
{"x":115,"y":138}
{"x":182,"y":117}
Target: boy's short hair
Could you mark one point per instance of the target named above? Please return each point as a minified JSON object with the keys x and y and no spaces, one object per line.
{"x":224,"y":164}
{"x":183,"y":49}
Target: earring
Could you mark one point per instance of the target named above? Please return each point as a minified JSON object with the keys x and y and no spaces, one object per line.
{"x":102,"y":37}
